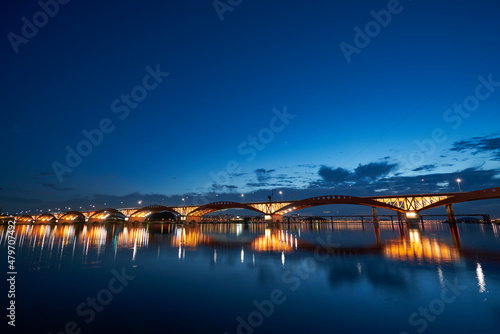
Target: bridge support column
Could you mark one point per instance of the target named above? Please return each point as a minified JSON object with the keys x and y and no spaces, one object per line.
{"x":193,"y":219}
{"x":136,"y":219}
{"x":455,"y":235}
{"x":376,"y":229}
{"x":451,"y":214}
{"x":486,"y":219}
{"x":274,"y":218}
{"x":400,"y":217}
{"x":375,"y":215}
{"x":412,"y":219}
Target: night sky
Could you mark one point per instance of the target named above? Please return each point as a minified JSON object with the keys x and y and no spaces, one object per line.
{"x":210,"y":100}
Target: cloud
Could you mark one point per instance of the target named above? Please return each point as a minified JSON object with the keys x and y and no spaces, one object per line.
{"x":337,"y":175}
{"x":425,"y":168}
{"x":258,"y":184}
{"x":54,"y":186}
{"x":373,"y":170}
{"x":362,"y":173}
{"x":485,"y":144}
{"x":220,"y":187}
{"x":40,"y":177}
{"x":472,"y":179}
{"x":263,"y":175}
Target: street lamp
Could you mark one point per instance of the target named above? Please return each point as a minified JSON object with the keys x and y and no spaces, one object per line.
{"x":140,"y":202}
{"x":458,"y":182}
{"x":423,"y":186}
{"x":243,"y":195}
{"x":281,"y":193}
{"x":183,"y":201}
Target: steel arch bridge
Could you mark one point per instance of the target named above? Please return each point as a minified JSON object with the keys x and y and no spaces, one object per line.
{"x":409,"y":205}
{"x":335,"y":199}
{"x":103,"y":214}
{"x":217,"y":206}
{"x":142,"y":213}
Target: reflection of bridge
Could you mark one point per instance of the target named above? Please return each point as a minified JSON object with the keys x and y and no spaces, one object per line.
{"x":411,"y":246}
{"x":406,"y":206}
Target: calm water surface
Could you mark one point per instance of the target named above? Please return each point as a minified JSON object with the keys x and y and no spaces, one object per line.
{"x":250,"y":278}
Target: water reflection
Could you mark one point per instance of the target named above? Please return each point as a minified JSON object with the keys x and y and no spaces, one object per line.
{"x":398,"y":243}
{"x":480,"y":278}
{"x":275,"y":240}
{"x":418,"y":248}
{"x":333,"y":274}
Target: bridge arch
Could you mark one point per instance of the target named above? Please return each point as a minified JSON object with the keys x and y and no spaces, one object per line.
{"x":217,"y":206}
{"x":334,"y":199}
{"x":72,"y":216}
{"x":105,"y":213}
{"x":144,"y":212}
{"x":45,"y":218}
{"x":26,"y":219}
{"x":491,"y":193}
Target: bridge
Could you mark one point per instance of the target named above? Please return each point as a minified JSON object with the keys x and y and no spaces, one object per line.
{"x":407,"y":207}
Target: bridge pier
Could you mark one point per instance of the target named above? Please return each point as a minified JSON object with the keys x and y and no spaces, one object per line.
{"x":192,"y":219}
{"x":375,"y":215}
{"x":451,"y":214}
{"x":455,"y":235}
{"x":486,"y":219}
{"x":136,"y":219}
{"x":400,"y":217}
{"x":274,"y":218}
{"x":413,"y":219}
{"x":376,"y":229}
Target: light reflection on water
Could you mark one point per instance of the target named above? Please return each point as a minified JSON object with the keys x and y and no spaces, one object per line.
{"x":383,"y":270}
{"x":405,"y":244}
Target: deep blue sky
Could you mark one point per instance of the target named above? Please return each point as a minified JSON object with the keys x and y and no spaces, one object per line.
{"x":356,"y":123}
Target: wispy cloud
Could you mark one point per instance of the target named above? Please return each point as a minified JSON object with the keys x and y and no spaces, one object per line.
{"x":475,"y":145}
{"x":425,"y":168}
{"x":263,"y":175}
